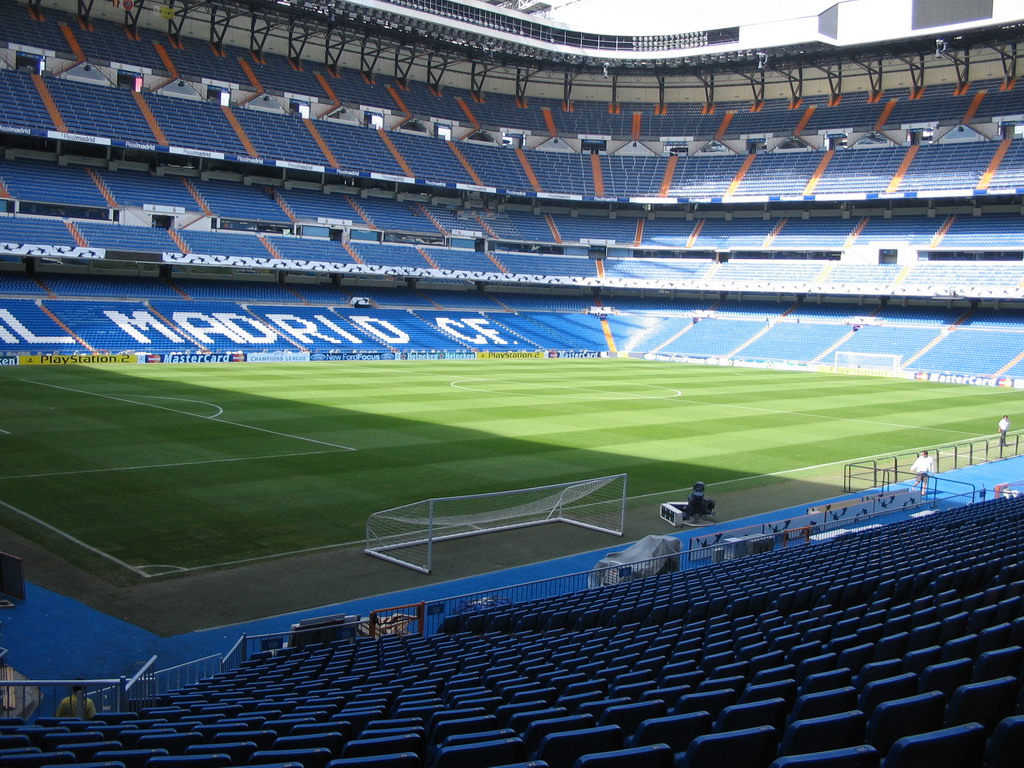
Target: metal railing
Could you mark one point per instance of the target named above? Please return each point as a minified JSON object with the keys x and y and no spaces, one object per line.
{"x":29,"y":699}
{"x":887,"y":470}
{"x":817,"y":522}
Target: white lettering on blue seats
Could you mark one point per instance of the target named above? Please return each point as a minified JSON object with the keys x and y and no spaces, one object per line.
{"x":227,"y":324}
{"x":140,"y":320}
{"x":484,"y":333}
{"x":306,"y":330}
{"x":17,"y":328}
{"x":381,"y":329}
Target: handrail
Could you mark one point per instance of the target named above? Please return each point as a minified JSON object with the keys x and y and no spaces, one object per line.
{"x":963,"y":453}
{"x":721,"y":546}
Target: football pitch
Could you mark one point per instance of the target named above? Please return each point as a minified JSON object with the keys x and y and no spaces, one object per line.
{"x":162,"y":468}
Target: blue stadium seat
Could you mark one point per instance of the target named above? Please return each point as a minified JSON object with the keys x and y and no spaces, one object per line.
{"x":749,"y":748}
{"x":675,"y":730}
{"x":896,"y":718}
{"x":956,"y":745}
{"x":652,"y":756}
{"x":825,"y":733}
{"x":861,"y":756}
{"x":1005,"y":747}
{"x":480,"y":754}
{"x":562,"y":748}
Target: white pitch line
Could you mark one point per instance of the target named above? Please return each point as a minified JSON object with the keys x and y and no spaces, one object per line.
{"x":196,"y":416}
{"x":71,"y":538}
{"x":587,"y":391}
{"x":163,"y":466}
{"x":777,"y":474}
{"x":455,"y":383}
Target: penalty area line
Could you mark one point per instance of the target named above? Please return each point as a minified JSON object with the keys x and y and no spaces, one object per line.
{"x":101,"y":470}
{"x":78,"y":542}
{"x":214,"y":419}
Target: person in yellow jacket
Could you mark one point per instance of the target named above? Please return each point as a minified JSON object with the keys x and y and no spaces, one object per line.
{"x":77,"y":705}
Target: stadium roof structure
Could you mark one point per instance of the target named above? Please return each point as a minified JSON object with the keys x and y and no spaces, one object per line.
{"x":479,"y":40}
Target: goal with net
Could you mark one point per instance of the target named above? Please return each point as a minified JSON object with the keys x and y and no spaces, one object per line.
{"x":867,"y":363}
{"x":405,"y":535}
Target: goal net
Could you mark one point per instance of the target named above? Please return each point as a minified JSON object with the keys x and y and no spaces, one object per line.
{"x":867,"y":363}
{"x":405,"y":535}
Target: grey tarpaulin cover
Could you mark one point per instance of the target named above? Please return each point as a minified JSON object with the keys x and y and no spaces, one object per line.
{"x":634,"y":562}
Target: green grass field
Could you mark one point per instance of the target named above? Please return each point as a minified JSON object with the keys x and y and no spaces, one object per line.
{"x":191,"y":466}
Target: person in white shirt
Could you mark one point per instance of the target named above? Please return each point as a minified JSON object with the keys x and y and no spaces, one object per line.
{"x":1004,"y":425}
{"x":923,"y":466}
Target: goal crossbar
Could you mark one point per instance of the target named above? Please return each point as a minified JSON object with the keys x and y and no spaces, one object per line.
{"x":405,"y":535}
{"x":867,"y":363}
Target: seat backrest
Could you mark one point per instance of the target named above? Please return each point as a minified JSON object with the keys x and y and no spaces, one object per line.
{"x":824,"y":703}
{"x":538,"y":729}
{"x":820,"y":734}
{"x":629,"y":716}
{"x":481,"y":753}
{"x":1005,"y":747}
{"x":675,"y":730}
{"x":956,"y":745}
{"x":652,"y":756}
{"x":750,"y":746}
{"x":892,"y":720}
{"x":739,"y":716}
{"x":561,"y":749}
{"x":860,"y":756}
{"x":986,"y":702}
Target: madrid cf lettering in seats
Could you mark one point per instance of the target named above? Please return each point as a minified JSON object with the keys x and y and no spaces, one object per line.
{"x":167,"y":326}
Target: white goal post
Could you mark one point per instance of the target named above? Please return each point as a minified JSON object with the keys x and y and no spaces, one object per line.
{"x":867,"y":363}
{"x":405,"y":535}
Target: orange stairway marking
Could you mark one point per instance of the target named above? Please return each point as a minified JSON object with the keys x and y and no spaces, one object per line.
{"x":994,"y":163}
{"x":178,"y":239}
{"x":327,"y":88}
{"x":804,"y":120}
{"x":398,"y":100}
{"x":637,"y":126}
{"x":819,"y":171}
{"x":102,"y":187}
{"x":75,"y":233}
{"x":695,"y":234}
{"x":595,"y":168}
{"x":884,"y":116}
{"x":239,"y":130}
{"x":467,"y":111}
{"x":973,"y":108}
{"x":528,"y":170}
{"x":897,"y":179}
{"x":554,"y":229}
{"x":942,"y":232}
{"x":639,"y":231}
{"x":465,"y":163}
{"x":607,"y":329}
{"x":406,"y":168}
{"x":76,"y":49}
{"x":747,"y":162}
{"x":666,"y":179}
{"x":165,"y":57}
{"x":51,"y":106}
{"x":724,"y":126}
{"x":253,"y":80}
{"x":151,"y":121}
{"x":198,"y":197}
{"x":549,"y":121}
{"x":315,"y":133}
